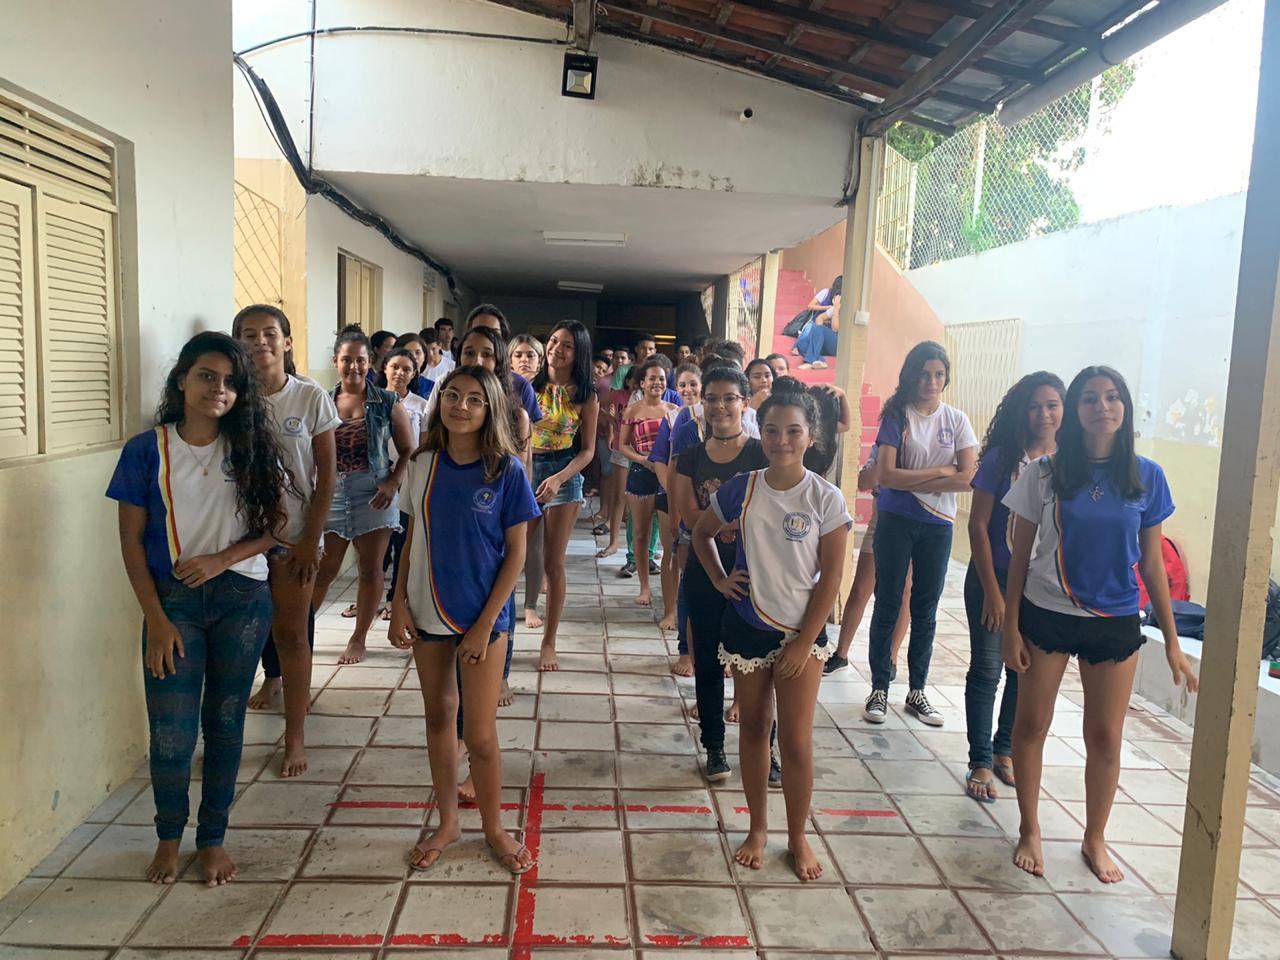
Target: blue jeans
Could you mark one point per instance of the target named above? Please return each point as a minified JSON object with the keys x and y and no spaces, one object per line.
{"x":986,"y":660}
{"x":925,"y":548}
{"x":682,"y":617}
{"x":816,"y":340}
{"x":224,"y":624}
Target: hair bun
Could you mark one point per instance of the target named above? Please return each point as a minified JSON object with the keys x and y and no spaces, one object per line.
{"x":351,"y":328}
{"x":788,"y":384}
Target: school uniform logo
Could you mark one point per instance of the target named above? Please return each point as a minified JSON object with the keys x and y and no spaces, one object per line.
{"x":796,"y":525}
{"x":946,"y":437}
{"x":293,"y":426}
{"x":484,"y":500}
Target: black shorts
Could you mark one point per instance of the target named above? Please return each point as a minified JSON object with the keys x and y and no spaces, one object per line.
{"x":661,"y":502}
{"x":641,"y":481}
{"x":454,"y":638}
{"x":1092,"y":639}
{"x":747,"y":648}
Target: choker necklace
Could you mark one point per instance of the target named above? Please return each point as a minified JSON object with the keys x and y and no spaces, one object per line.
{"x":727,"y":439}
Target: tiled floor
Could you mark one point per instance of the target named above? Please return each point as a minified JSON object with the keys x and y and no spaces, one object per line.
{"x":601,"y":768}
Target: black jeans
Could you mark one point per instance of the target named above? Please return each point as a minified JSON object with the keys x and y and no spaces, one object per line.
{"x":925,"y":548}
{"x":986,"y":660}
{"x":706,"y":611}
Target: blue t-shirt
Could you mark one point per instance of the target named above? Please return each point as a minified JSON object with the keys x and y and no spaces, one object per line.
{"x":670,"y":396}
{"x":422,"y":386}
{"x":685,"y":435}
{"x":528,"y":399}
{"x":660,"y":452}
{"x":459,"y":538}
{"x":990,"y":479}
{"x":1087,"y":544}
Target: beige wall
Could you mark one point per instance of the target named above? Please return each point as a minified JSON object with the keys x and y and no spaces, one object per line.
{"x":900,"y":316}
{"x":156,"y":79}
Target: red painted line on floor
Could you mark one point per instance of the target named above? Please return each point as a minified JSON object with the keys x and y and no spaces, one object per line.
{"x":526,"y":895}
{"x":406,"y":805}
{"x":666,"y":808}
{"x":446,"y":940}
{"x":321,"y":940}
{"x":693,"y":940}
{"x":837,"y":812}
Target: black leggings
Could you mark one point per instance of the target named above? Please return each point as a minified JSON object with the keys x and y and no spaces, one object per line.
{"x":271,"y":657}
{"x":706,"y":609}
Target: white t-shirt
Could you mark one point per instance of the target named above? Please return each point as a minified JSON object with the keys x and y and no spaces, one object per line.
{"x":930,"y":441}
{"x":302,"y":410}
{"x":417,"y":409}
{"x":779,"y":533}
{"x":437,"y":373}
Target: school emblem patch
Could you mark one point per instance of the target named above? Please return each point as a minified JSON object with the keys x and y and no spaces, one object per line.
{"x":293,"y":425}
{"x":484,"y":499}
{"x":796,"y":525}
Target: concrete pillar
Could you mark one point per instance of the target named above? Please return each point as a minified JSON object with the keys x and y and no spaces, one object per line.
{"x":1242,"y":542}
{"x":768,"y":302}
{"x":855,"y":316}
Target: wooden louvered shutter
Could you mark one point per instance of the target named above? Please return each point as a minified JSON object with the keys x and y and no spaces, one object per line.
{"x":78,"y":330}
{"x":19,"y":428}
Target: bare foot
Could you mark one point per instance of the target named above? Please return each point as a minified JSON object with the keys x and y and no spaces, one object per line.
{"x":731,"y":715}
{"x":163,"y":867}
{"x":1100,"y":862}
{"x":354,"y":652}
{"x":693,"y":712}
{"x":608,"y":551}
{"x":531,"y":619}
{"x":295,"y":758}
{"x":506,"y":697}
{"x":668,"y":623}
{"x":427,"y":851}
{"x":267,"y":694}
{"x":645,"y":599}
{"x":751,"y":853}
{"x":683,"y":667}
{"x":510,"y":852}
{"x":548,"y":660}
{"x":1029,"y":856}
{"x":805,"y":862}
{"x":467,"y":791}
{"x":218,"y":867}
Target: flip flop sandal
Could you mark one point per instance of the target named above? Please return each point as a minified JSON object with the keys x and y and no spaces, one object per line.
{"x":513,"y":867}
{"x":426,"y":852}
{"x":1005,"y":772}
{"x":349,"y":613}
{"x":969,"y":781}
{"x":600,"y":529}
{"x":386,"y":613}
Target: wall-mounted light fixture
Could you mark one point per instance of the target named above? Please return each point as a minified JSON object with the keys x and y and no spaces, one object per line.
{"x":579,"y":77}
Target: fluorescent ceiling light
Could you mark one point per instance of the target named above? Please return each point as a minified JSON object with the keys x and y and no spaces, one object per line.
{"x":571,"y":238}
{"x":580,"y":286}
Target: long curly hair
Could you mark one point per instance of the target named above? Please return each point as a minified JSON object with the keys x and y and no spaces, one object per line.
{"x":895,"y":408}
{"x":1009,"y":433}
{"x":256,"y":459}
{"x":497,"y":439}
{"x":1072,"y":467}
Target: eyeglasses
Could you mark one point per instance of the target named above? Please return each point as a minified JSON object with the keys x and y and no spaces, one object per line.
{"x":471,"y":401}
{"x":727,"y":400}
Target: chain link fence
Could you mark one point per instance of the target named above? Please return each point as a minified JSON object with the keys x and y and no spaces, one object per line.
{"x":990,"y":185}
{"x":258,"y":274}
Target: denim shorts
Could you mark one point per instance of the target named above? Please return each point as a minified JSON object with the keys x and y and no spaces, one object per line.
{"x":1092,"y":639}
{"x":641,"y":481}
{"x":351,"y":515}
{"x":547,"y":464}
{"x":454,"y":638}
{"x":619,"y":459}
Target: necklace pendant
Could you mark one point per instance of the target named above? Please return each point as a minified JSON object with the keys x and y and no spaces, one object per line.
{"x":1096,"y":493}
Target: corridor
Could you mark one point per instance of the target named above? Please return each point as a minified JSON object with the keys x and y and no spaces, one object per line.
{"x":633,"y":849}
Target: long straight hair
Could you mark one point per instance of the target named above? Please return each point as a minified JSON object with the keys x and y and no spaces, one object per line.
{"x":580,"y":376}
{"x":895,"y":408}
{"x":501,"y":369}
{"x":497,"y":440}
{"x":1009,"y":432}
{"x":256,"y":459}
{"x":1072,"y":467}
{"x":281,"y":321}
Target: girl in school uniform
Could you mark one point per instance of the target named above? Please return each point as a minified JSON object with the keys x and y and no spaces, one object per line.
{"x":640,"y":425}
{"x":760,"y":375}
{"x":468,"y":500}
{"x":793,"y":528}
{"x":399,"y":371}
{"x":563,"y":441}
{"x":926,"y":453}
{"x":303,"y":420}
{"x":201,"y":497}
{"x":1082,"y":518}
{"x":1024,"y":429}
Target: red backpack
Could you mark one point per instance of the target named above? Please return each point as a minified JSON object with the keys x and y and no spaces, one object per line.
{"x":1176,"y":570}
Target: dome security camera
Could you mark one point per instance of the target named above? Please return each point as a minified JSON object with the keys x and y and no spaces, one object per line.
{"x":747,"y":114}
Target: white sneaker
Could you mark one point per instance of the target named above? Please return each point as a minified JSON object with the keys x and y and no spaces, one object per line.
{"x":876,"y":707}
{"x":919,"y":705}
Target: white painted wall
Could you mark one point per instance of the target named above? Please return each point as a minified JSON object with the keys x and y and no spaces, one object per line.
{"x":328,"y":231}
{"x":425,"y":105}
{"x":157,"y":78}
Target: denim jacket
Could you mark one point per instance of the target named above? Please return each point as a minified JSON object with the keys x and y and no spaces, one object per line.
{"x":377,"y":412}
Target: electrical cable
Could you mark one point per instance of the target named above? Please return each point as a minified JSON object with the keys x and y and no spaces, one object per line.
{"x":423,"y":31}
{"x":312,"y":184}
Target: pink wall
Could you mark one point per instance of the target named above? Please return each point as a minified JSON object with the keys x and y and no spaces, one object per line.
{"x":900,"y":316}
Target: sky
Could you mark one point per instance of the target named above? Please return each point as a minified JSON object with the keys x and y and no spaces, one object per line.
{"x":1184,"y":131}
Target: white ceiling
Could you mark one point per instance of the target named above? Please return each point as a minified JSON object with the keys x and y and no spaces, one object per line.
{"x":490,"y":232}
